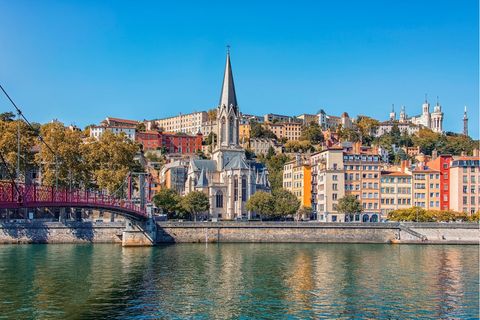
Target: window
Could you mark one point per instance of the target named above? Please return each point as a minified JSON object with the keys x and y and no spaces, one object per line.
{"x":334,"y":177}
{"x":334,"y":187}
{"x":334,"y":218}
{"x":244,"y":188}
{"x":235,"y":188}
{"x":219,"y":199}
{"x":334,"y":196}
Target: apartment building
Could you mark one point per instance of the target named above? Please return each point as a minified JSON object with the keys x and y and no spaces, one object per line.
{"x":395,"y":191}
{"x":297,"y":179}
{"x":170,"y":142}
{"x":244,"y":132}
{"x":327,"y":184}
{"x":271,"y":117}
{"x":362,"y":179}
{"x":465,"y":184}
{"x":308,"y":118}
{"x":426,"y":188}
{"x":442,"y":163}
{"x":190,"y":123}
{"x":287,"y":130}
{"x":97,"y":131}
{"x":117,"y":122}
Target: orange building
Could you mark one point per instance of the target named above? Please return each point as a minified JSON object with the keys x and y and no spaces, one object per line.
{"x":297,"y":178}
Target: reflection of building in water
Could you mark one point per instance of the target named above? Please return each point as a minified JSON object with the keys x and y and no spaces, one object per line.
{"x":449,"y":283}
{"x":301,"y":279}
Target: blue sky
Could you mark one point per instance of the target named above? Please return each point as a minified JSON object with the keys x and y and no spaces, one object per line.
{"x":80,"y":61}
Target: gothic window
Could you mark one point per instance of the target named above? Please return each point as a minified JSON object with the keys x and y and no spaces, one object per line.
{"x":222,"y":130}
{"x":219,"y":199}
{"x":230,"y":130}
{"x":244,"y":188}
{"x":235,"y":188}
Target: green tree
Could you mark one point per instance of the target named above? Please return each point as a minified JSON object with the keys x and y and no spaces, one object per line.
{"x":270,"y":152}
{"x":366,"y":127}
{"x":299,"y":146}
{"x":312,"y":133}
{"x":428,"y":140}
{"x":275,"y":169}
{"x":195,"y":202}
{"x":349,"y":205}
{"x":286,"y":203}
{"x":168,"y":200}
{"x":261,"y":203}
{"x":7,"y":116}
{"x":257,"y":130}
{"x":348,"y":134}
{"x":210,"y":138}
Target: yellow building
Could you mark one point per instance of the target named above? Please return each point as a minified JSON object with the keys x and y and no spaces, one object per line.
{"x":244,"y":132}
{"x":426,"y":188}
{"x":287,"y":130}
{"x":297,"y":178}
{"x":395,"y":190}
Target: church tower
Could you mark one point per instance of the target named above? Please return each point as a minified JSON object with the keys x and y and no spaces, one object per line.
{"x":227,"y":112}
{"x":426,"y":113}
{"x":437,"y":118}
{"x":228,"y":115}
{"x":403,"y":115}
{"x":393,"y":115}
{"x":465,"y":122}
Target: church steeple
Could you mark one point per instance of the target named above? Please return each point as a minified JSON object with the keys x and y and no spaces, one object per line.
{"x":228,"y":98}
{"x":465,"y":122}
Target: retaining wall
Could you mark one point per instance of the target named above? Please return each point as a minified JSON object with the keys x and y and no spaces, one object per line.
{"x":59,"y":232}
{"x":317,"y":232}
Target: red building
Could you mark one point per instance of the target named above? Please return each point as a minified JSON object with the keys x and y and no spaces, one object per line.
{"x":442,"y":163}
{"x":170,"y":142}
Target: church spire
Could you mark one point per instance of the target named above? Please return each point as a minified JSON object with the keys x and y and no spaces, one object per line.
{"x":228,"y":97}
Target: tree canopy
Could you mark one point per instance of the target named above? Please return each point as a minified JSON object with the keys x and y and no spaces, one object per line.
{"x":349,"y":204}
{"x":312,"y":133}
{"x":195,"y":202}
{"x":262,"y":203}
{"x":168,"y":200}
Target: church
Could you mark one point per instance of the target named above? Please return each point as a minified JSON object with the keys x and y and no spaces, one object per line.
{"x":229,"y":178}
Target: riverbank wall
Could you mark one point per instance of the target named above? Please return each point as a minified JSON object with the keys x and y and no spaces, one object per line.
{"x":61,"y":232}
{"x":426,"y":233}
{"x":230,"y":231}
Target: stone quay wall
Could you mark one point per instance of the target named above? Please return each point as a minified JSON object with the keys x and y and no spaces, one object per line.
{"x":427,"y":233}
{"x":61,"y":232}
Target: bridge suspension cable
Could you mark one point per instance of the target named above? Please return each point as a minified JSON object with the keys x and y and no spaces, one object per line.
{"x":20,"y":114}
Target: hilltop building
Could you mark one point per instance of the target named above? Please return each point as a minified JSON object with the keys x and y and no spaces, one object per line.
{"x":229,"y":179}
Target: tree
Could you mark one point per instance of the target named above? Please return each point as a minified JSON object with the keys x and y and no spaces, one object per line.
{"x":168,"y":200}
{"x":262,"y":203}
{"x":312,"y":133}
{"x":349,"y":205}
{"x":210,"y":138}
{"x":109,"y":159}
{"x":195,"y":202}
{"x":299,"y":146}
{"x":212,"y":114}
{"x":140,"y":127}
{"x":270,"y":152}
{"x":7,"y":116}
{"x":348,"y":134}
{"x":366,"y":127}
{"x":428,"y":140}
{"x":67,"y":162}
{"x":275,"y":169}
{"x":286,"y":203}
{"x":8,"y":144}
{"x":258,"y":131}
{"x":303,"y":213}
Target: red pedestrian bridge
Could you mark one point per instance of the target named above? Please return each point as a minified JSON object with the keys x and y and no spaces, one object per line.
{"x":18,"y":195}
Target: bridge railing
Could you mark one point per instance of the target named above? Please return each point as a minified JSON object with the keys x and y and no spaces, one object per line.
{"x":33,"y":196}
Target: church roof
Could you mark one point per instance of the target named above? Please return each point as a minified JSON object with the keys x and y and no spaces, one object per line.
{"x":236,"y":163}
{"x":202,"y":180}
{"x":228,"y":96}
{"x":200,"y":164}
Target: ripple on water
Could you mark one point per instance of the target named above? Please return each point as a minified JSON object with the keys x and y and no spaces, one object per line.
{"x":245,"y":281}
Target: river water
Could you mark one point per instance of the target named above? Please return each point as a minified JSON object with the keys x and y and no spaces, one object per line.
{"x":239,"y":281}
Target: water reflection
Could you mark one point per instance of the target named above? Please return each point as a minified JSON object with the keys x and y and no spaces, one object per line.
{"x":229,"y":281}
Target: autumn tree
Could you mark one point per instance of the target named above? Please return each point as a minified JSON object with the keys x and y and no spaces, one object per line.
{"x":274,"y":166}
{"x":66,"y":162}
{"x":212,"y":114}
{"x":8,"y":144}
{"x":7,"y":116}
{"x":109,"y":159}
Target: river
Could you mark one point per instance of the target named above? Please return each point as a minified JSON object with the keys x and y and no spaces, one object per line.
{"x":246,"y":281}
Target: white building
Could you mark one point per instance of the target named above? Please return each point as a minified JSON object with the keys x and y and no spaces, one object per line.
{"x":97,"y":131}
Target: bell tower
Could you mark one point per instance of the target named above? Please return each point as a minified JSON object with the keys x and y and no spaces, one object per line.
{"x":227,"y":111}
